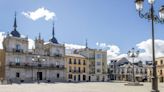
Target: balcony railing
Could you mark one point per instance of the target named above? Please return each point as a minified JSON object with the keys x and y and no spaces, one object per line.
{"x":76,"y":71}
{"x":92,"y":72}
{"x":18,"y":50}
{"x":58,"y":55}
{"x":35,"y":66}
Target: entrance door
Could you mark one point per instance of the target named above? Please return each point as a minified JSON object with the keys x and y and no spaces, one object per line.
{"x":39,"y":75}
{"x":161,"y":79}
{"x":89,"y":78}
{"x":79,"y":78}
{"x":84,"y":77}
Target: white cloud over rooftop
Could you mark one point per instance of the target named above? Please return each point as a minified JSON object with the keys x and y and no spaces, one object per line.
{"x":40,"y":13}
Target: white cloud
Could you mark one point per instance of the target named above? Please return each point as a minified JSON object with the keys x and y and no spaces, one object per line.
{"x":40,"y":13}
{"x":74,"y":46}
{"x":146,"y":46}
{"x":31,"y":44}
{"x":113,"y":51}
{"x":2,"y":35}
{"x":71,"y":47}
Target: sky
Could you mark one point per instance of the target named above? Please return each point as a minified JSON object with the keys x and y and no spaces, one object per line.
{"x":113,"y":25}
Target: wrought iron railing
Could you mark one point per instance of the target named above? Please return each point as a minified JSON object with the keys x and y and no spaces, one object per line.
{"x":35,"y":66}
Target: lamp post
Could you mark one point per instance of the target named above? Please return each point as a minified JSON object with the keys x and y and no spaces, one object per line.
{"x":38,"y":60}
{"x":133,"y":54}
{"x":150,"y":15}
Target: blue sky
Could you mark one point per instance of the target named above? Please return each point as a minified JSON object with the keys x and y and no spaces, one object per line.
{"x":104,"y":21}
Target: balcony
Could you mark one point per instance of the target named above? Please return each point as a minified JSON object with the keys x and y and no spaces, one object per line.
{"x":92,"y":58}
{"x":91,"y":72}
{"x":17,"y":50}
{"x":104,"y":72}
{"x":36,"y":66}
{"x":58,"y":55}
{"x":76,"y":71}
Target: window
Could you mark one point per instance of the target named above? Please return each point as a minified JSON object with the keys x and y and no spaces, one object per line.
{"x":79,"y":70}
{"x":58,"y":51}
{"x":150,"y":73}
{"x":84,"y":62}
{"x":161,"y":62}
{"x":103,"y":55}
{"x":74,"y":69}
{"x":57,"y":63}
{"x":70,"y":61}
{"x":74,"y":61}
{"x":103,"y":63}
{"x":141,"y":71}
{"x":17,"y":60}
{"x":98,"y":56}
{"x":84,"y":69}
{"x":17,"y":75}
{"x":58,"y":75}
{"x":70,"y":76}
{"x":18,"y":47}
{"x":155,"y":62}
{"x":137,"y":71}
{"x":98,"y":63}
{"x":160,"y":72}
{"x":145,"y":71}
{"x":75,"y":77}
{"x":70,"y":69}
{"x":79,"y":62}
{"x":98,"y":70}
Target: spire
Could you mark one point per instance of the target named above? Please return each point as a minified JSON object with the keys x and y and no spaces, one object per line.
{"x":15,"y":22}
{"x":39,"y":36}
{"x":86,"y":44}
{"x":15,"y":33}
{"x":53,"y":31}
{"x":53,"y":39}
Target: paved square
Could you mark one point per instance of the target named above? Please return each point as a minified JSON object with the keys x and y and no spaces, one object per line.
{"x":78,"y":87}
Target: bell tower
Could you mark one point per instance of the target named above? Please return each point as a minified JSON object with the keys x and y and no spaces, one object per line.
{"x":39,"y":45}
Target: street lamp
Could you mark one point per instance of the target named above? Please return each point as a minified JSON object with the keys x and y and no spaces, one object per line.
{"x":154,"y":18}
{"x":133,"y":54}
{"x":38,"y":59}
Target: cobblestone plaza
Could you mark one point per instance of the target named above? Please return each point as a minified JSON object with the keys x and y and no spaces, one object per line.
{"x":78,"y":87}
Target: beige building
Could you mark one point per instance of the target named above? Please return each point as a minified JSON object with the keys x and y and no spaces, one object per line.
{"x":2,"y":64}
{"x":160,"y":70}
{"x":76,"y":68}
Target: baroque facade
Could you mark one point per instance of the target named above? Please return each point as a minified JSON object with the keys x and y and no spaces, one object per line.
{"x":44,"y":63}
{"x":48,"y":61}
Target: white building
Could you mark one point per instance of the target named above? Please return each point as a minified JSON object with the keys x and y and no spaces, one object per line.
{"x":125,"y":72}
{"x":44,"y":63}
